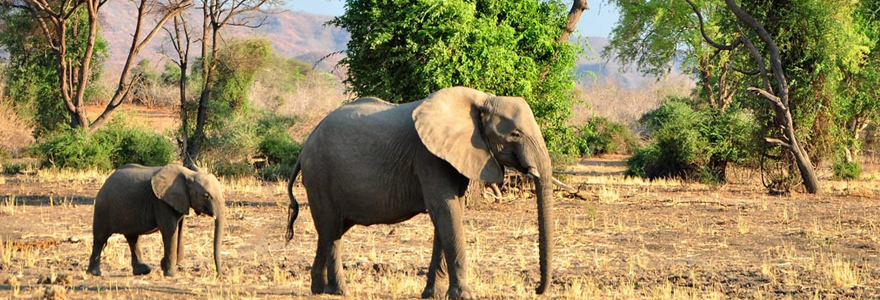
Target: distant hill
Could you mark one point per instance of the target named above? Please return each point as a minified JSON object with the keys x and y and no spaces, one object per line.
{"x":293,"y":34}
{"x":303,"y":36}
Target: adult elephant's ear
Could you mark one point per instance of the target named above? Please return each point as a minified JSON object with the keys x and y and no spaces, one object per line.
{"x":448,"y":122}
{"x":170,"y":185}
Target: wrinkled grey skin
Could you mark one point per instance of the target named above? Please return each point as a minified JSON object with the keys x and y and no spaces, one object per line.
{"x":137,"y":200}
{"x":371,"y":162}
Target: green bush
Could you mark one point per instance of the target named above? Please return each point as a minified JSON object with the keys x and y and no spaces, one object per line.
{"x":847,"y":170}
{"x":229,"y":151}
{"x":115,"y":145}
{"x":75,"y":149}
{"x":692,"y":143}
{"x":603,"y":136}
{"x":12,"y":169}
{"x":135,"y":145}
{"x":279,"y":149}
{"x":234,"y":169}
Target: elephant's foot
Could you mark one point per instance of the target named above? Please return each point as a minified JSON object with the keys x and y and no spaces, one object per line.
{"x":169,"y":272}
{"x":433,"y":292}
{"x":94,"y":269}
{"x":461,"y":292}
{"x":141,"y":269}
{"x":334,"y":289}
{"x":317,"y":287}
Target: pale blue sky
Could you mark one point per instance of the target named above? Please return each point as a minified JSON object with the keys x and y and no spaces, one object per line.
{"x":597,"y":21}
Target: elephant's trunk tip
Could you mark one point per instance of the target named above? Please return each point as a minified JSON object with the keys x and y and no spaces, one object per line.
{"x":542,"y":287}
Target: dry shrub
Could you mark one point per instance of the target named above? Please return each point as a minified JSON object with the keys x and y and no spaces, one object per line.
{"x":16,"y":133}
{"x":608,"y":98}
{"x":309,"y":101}
{"x":158,"y":95}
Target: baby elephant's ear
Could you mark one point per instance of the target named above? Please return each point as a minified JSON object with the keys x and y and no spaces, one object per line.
{"x":170,"y":184}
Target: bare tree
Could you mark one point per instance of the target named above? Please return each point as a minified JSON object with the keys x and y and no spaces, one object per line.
{"x":55,"y":18}
{"x":216,"y":15}
{"x":181,"y":36}
{"x":778,"y":98}
{"x":164,"y":12}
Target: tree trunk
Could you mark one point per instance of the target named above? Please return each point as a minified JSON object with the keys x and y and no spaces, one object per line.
{"x":574,"y":15}
{"x":780,"y":100}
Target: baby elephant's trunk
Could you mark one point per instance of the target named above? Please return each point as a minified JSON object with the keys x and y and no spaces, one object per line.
{"x":219,"y":220}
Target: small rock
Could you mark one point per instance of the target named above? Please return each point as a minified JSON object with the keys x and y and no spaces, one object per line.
{"x":73,"y":239}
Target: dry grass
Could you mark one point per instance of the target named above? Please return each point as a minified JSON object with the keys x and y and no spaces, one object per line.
{"x":16,"y":134}
{"x":629,"y":239}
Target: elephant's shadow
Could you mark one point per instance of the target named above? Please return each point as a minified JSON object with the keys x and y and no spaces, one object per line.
{"x":44,"y":200}
{"x":169,"y":290}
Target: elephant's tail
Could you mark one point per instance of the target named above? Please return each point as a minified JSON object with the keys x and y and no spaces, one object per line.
{"x":293,"y":209}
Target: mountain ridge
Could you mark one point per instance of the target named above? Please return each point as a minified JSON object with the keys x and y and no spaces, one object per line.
{"x":304,"y":36}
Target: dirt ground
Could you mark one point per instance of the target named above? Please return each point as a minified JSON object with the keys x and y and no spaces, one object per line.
{"x":616,"y":238}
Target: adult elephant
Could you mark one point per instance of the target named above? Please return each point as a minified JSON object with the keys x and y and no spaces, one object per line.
{"x":137,"y":200}
{"x":372,"y":162}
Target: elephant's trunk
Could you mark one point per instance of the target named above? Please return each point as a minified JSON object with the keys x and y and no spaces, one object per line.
{"x":544,"y":190}
{"x":219,"y":221}
{"x":536,"y":159}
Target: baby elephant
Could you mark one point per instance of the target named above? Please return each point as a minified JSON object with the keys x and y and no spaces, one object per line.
{"x":138,"y":200}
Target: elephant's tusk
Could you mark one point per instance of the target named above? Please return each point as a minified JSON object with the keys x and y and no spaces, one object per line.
{"x":564,"y":186}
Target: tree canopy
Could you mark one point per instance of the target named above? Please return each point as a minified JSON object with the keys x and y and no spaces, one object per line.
{"x":823,"y":49}
{"x":401,"y":51}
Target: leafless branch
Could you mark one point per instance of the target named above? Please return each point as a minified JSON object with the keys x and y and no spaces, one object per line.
{"x":777,"y":142}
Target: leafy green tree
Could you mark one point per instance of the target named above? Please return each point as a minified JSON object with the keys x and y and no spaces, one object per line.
{"x":793,"y":53}
{"x":32,"y":75}
{"x":859,"y":96}
{"x":69,"y":30}
{"x":401,"y":51}
{"x":236,"y":67}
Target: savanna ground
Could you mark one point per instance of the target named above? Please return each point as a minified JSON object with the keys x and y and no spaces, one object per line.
{"x":616,"y":238}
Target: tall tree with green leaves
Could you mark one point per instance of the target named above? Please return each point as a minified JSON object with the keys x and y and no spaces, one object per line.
{"x":62,"y":21}
{"x":32,"y":75}
{"x":791,"y":52}
{"x":401,"y":51}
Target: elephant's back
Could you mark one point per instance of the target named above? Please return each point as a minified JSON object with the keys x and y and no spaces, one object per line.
{"x":123,"y":188}
{"x":362,"y":122}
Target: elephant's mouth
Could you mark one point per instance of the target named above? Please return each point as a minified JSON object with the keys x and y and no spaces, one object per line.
{"x":205,"y":210}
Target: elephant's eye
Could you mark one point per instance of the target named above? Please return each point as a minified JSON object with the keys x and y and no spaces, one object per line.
{"x":207,"y":196}
{"x":515,"y":135}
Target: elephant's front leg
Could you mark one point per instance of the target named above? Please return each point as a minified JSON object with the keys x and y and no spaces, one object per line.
{"x":169,"y":239}
{"x":436,"y":270}
{"x":179,"y":242}
{"x":447,"y":215}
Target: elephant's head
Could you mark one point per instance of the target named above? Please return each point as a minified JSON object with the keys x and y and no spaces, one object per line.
{"x":479,"y":133}
{"x":183,"y":189}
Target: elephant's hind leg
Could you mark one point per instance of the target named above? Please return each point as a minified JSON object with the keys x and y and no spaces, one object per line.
{"x":98,"y":243}
{"x":436,"y":270}
{"x":327,"y":270}
{"x":137,"y":267}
